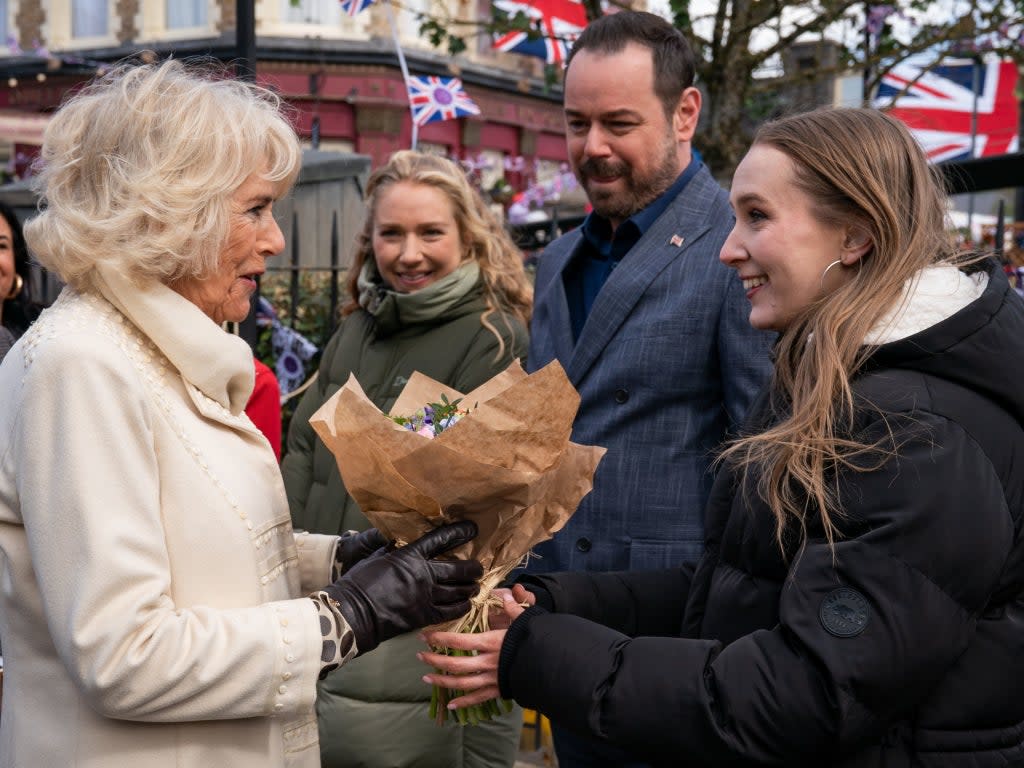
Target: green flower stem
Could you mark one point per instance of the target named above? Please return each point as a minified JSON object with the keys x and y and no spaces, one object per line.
{"x":475,"y":713}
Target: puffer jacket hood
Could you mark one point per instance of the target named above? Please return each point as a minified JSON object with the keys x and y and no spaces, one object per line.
{"x":968,"y":348}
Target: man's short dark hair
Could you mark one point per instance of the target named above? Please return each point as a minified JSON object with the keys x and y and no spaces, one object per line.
{"x":671,"y":53}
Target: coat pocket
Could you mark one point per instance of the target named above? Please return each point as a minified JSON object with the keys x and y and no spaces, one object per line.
{"x":647,"y":554}
{"x":302,"y":742}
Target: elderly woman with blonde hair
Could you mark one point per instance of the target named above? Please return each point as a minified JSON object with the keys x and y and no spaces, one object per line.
{"x":156,"y":608}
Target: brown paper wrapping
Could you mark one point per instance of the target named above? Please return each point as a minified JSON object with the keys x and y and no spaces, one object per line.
{"x":509,"y":465}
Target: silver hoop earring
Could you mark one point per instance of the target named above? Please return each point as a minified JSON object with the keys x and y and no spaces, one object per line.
{"x":823,"y":274}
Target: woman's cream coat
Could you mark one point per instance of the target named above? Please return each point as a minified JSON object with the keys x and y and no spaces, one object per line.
{"x":151,"y":591}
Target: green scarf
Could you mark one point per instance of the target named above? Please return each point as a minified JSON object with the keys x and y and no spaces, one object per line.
{"x":393,"y":311}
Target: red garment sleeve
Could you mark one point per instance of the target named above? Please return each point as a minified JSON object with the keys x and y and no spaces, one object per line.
{"x":264,"y":407}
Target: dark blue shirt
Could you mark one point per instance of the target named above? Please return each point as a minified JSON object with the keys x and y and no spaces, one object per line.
{"x":601,"y":249}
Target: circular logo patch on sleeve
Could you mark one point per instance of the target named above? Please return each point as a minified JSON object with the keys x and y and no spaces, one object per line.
{"x":844,"y":612}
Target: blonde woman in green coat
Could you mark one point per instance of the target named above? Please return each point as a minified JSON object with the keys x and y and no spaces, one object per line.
{"x":436,"y":286}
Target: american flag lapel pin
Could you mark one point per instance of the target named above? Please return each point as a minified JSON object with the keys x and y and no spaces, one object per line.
{"x":676,"y":240}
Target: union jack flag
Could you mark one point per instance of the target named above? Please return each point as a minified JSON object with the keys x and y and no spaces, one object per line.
{"x":438,"y":98}
{"x":352,"y":7}
{"x":559,"y":21}
{"x":938,"y":107}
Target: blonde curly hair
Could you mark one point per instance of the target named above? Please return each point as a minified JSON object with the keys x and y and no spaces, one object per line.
{"x":138,"y":169}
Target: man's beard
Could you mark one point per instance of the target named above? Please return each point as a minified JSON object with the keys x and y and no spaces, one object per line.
{"x":639,"y":191}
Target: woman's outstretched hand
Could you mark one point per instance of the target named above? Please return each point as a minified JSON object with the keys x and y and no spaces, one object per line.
{"x":476,"y":676}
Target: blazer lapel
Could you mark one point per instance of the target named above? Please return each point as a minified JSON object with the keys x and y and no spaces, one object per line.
{"x":553,"y":301}
{"x":671,"y":235}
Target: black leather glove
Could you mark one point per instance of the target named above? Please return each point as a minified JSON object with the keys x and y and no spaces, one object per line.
{"x":354,"y":547}
{"x":393,"y":592}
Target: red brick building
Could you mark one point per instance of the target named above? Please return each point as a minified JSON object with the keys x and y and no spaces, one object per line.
{"x":341,"y":74}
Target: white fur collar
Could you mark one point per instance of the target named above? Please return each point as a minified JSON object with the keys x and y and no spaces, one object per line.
{"x":929,"y":297}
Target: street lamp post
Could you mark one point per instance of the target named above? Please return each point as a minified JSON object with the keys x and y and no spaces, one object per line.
{"x":245,"y":69}
{"x":245,"y":39}
{"x":975,"y":87}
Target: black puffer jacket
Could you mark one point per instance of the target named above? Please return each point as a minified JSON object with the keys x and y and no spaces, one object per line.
{"x":903,"y":646}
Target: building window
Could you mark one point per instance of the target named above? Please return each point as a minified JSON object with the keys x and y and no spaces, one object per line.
{"x":3,"y":22}
{"x":89,"y":18}
{"x":184,"y":14}
{"x":312,"y":12}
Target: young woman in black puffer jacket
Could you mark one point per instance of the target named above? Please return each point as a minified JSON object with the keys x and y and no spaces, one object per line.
{"x":861,"y":599}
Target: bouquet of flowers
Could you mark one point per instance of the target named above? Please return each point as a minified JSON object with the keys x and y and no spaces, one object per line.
{"x":499,"y":455}
{"x":433,"y":418}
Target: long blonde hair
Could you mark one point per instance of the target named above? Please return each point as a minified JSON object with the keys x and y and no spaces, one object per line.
{"x":859,"y":167}
{"x":506,"y":286}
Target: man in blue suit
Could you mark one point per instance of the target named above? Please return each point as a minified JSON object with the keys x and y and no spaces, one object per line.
{"x":649,"y":325}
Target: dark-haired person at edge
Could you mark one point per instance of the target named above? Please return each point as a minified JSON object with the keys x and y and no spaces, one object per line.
{"x":17,"y":310}
{"x":650,"y":327}
{"x":860,"y":602}
{"x":156,"y":608}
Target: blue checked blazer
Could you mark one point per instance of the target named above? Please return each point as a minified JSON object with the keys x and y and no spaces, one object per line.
{"x":665,"y":366}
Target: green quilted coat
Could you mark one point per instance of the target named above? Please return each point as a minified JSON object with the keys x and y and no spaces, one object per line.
{"x":373,"y":710}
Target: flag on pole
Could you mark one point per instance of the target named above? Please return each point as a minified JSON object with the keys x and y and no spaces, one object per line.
{"x":938,"y":106}
{"x":559,"y":22}
{"x":352,"y":7}
{"x":438,"y":98}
